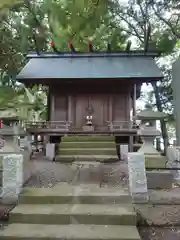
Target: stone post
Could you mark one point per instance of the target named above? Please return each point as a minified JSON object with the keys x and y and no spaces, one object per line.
{"x":137,"y":177}
{"x":124,"y":152}
{"x":12,"y":177}
{"x":50,"y":151}
{"x":173,"y":155}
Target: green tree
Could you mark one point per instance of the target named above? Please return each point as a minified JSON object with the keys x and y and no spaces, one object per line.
{"x":80,"y":21}
{"x":31,"y":25}
{"x":6,"y":4}
{"x":154,"y":25}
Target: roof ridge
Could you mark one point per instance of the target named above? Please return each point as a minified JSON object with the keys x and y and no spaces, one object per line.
{"x":94,"y":54}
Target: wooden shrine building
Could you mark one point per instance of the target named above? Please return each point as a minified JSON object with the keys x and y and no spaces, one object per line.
{"x":90,"y":93}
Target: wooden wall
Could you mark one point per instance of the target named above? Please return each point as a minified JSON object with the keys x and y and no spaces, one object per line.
{"x":106,"y":107}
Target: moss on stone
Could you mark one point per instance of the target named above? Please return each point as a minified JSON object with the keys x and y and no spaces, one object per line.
{"x":155,"y":161}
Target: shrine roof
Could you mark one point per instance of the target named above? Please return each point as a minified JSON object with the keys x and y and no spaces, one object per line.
{"x":122,"y":65}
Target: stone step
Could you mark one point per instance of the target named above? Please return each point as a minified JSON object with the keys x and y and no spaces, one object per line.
{"x":97,"y":158}
{"x":99,"y":214}
{"x":69,"y":194}
{"x":69,"y":232}
{"x":88,"y":151}
{"x":87,"y":139}
{"x":87,"y":145}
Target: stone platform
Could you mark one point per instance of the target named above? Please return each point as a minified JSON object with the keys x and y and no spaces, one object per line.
{"x":159,"y":179}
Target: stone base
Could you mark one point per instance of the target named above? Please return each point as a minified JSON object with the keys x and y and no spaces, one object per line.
{"x":159,"y":179}
{"x":140,"y":198}
{"x":88,"y":128}
{"x":155,"y":161}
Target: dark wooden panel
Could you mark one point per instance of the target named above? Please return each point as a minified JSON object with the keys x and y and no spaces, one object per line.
{"x":106,"y":107}
{"x":61,"y":108}
{"x":119,"y":107}
{"x":80,"y":110}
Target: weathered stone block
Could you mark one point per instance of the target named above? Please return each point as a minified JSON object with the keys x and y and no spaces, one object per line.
{"x":159,"y":179}
{"x":152,"y":161}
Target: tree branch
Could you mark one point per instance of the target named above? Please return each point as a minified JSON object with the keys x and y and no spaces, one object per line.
{"x":168,"y":23}
{"x":141,"y":39}
{"x":35,"y":43}
{"x":144,"y":16}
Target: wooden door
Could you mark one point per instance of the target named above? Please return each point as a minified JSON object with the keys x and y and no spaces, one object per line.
{"x":80,"y":103}
{"x":90,"y":104}
{"x":97,"y":102}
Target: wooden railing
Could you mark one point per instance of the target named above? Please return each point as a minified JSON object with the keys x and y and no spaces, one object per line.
{"x":113,"y":126}
{"x":121,"y":125}
{"x":60,"y":125}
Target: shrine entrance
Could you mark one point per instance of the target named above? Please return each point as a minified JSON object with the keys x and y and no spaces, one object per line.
{"x":94,"y":106}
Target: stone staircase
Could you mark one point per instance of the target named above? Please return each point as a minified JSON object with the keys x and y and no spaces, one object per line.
{"x":83,"y":212}
{"x":87,"y":148}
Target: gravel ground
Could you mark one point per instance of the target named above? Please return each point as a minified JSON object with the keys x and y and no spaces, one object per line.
{"x":47,"y":174}
{"x":154,"y":233}
{"x":158,"y":215}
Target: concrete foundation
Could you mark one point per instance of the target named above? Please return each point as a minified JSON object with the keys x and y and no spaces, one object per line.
{"x":159,"y":179}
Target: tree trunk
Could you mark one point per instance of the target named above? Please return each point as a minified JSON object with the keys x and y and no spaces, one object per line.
{"x":163,"y":123}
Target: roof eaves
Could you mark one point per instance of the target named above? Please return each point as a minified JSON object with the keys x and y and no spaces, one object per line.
{"x":152,"y":54}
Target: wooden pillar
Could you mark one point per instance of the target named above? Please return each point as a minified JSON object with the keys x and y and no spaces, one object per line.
{"x":133,"y":107}
{"x":134,"y":100}
{"x":52,"y":108}
{"x":48,"y":105}
{"x":110,"y":108}
{"x":69,"y":108}
{"x":129,"y":110}
{"x":131,"y":143}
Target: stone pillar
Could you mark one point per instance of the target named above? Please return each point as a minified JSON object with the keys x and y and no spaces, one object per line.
{"x":124,"y":152}
{"x":12,"y":177}
{"x":137,"y":177}
{"x":12,"y":160}
{"x":176,"y":96}
{"x":12,"y":165}
{"x":50,"y":151}
{"x":173,"y":155}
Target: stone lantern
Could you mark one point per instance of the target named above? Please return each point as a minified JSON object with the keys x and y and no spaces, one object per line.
{"x":10,"y":131}
{"x":11,"y":156}
{"x":148,"y":132}
{"x":156,"y":179}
